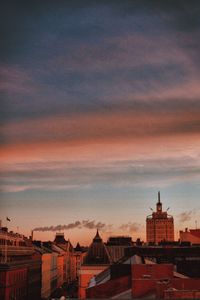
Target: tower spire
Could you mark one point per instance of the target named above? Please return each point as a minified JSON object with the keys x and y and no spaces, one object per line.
{"x":158,"y":196}
{"x":159,"y":204}
{"x":97,"y":236}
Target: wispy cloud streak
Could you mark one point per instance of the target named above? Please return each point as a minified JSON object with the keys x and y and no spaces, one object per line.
{"x":186,"y":216}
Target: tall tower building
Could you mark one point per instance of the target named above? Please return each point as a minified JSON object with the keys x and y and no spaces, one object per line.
{"x":159,"y":225}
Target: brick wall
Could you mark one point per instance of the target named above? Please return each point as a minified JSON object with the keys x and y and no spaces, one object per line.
{"x":110,"y":288}
{"x":145,"y":277}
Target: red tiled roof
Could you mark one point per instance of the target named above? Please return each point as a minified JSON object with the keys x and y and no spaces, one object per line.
{"x":195,"y":232}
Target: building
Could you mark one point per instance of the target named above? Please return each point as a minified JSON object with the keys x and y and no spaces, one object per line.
{"x":20,"y":267}
{"x":134,"y":281}
{"x":53,"y":258}
{"x":186,"y":259}
{"x":53,"y":266}
{"x":46,"y":268}
{"x":79,"y":254}
{"x":96,"y":260}
{"x":116,"y":246}
{"x":69,"y":267}
{"x":191,"y":235}
{"x":34,"y":276}
{"x":136,"y":277}
{"x":46,"y":273}
{"x":100,"y":256}
{"x":114,"y":280}
{"x":159,"y":225}
{"x":60,"y":273}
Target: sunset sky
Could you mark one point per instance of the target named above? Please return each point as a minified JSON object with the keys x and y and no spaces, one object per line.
{"x":100,"y":109}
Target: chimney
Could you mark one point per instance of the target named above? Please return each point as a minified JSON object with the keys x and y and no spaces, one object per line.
{"x":31,"y":235}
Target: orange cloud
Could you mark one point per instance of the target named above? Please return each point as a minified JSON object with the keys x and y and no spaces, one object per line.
{"x":101,"y":127}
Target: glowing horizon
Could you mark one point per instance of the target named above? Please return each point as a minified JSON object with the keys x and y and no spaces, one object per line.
{"x":100,"y":110}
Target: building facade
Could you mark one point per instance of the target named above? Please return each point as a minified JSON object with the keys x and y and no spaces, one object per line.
{"x":79,"y":254}
{"x":116,"y":246}
{"x":46,"y":275}
{"x":52,"y":267}
{"x":159,"y":225}
{"x":20,"y":267}
{"x":69,"y":271}
{"x":96,"y":260}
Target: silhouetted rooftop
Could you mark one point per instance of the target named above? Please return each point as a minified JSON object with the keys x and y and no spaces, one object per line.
{"x":60,"y":239}
{"x":120,"y":241}
{"x":97,"y":237}
{"x":78,"y":247}
{"x":97,"y":253}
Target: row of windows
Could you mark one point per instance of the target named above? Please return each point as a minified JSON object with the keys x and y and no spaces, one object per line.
{"x":17,"y":276}
{"x":17,"y":293}
{"x":159,"y":221}
{"x":12,"y":243}
{"x":160,"y":233}
{"x":160,"y":226}
{"x":170,"y":231}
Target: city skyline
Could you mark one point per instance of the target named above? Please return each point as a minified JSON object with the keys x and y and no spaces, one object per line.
{"x":100,"y":110}
{"x":72,"y":230}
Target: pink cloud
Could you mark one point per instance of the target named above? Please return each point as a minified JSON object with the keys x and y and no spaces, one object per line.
{"x":15,"y":79}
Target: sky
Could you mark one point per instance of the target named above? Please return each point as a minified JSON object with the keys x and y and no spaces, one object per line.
{"x":100,"y":110}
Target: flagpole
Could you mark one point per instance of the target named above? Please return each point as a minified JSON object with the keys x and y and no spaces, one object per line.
{"x":6,"y":246}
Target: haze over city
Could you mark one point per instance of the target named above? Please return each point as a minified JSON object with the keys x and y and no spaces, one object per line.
{"x":99,"y":111}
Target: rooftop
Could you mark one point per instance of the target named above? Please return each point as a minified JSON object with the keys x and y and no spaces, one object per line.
{"x":97,"y":253}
